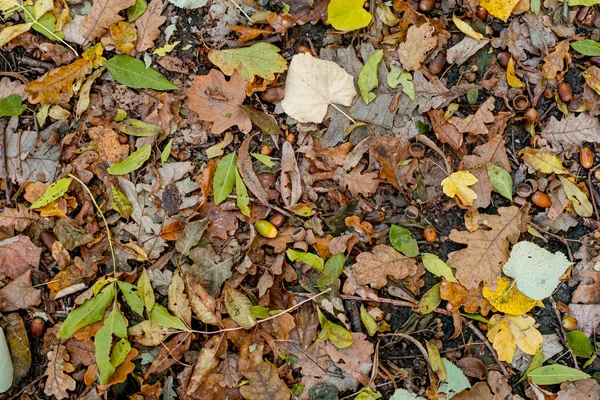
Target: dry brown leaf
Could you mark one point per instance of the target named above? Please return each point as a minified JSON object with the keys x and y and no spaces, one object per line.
{"x":103,"y":14}
{"x":207,"y":361}
{"x":555,"y":61}
{"x":19,"y":294}
{"x":8,"y":87}
{"x":475,"y":123}
{"x":169,"y":353}
{"x":591,"y":100}
{"x":56,"y":86}
{"x":585,"y":389}
{"x":148,"y":24}
{"x":291,"y":183}
{"x":572,"y":130}
{"x":244,"y":165}
{"x":148,"y":333}
{"x":179,"y":304}
{"x":265,"y":384}
{"x":588,"y":291}
{"x":58,"y":381}
{"x":81,"y":351}
{"x":201,"y":302}
{"x":356,"y":182}
{"x":217,"y":101}
{"x":480,"y":261}
{"x":419,"y":42}
{"x":390,"y":152}
{"x":18,"y":218}
{"x":18,"y":255}
{"x":446,"y":132}
{"x":18,"y":344}
{"x":373,"y":268}
{"x":107,"y":144}
{"x":247,"y":32}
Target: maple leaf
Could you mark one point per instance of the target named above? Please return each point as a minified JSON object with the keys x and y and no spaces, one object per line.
{"x":373,"y":268}
{"x":572,"y":130}
{"x":148,"y":24}
{"x":261,"y":59}
{"x":102,"y":15}
{"x":217,"y":101}
{"x":457,"y":185}
{"x":480,"y":261}
{"x":509,"y":332}
{"x":419,"y":42}
{"x":58,"y":381}
{"x":356,"y":182}
{"x":475,"y":123}
{"x":56,"y":86}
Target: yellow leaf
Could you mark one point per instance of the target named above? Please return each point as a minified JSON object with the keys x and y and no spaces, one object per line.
{"x":56,"y":86}
{"x":510,"y":331}
{"x":167,"y":48}
{"x":11,"y":32}
{"x":499,"y":8}
{"x":542,"y":161}
{"x":511,"y":75}
{"x":124,"y":36}
{"x":94,"y":55}
{"x":457,"y":184}
{"x":507,"y":298}
{"x":466,"y":28}
{"x":348,"y":15}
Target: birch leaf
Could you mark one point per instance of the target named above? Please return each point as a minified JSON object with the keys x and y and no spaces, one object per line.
{"x":348,"y":15}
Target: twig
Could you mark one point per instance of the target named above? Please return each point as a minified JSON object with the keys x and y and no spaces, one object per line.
{"x":562,"y":329}
{"x":242,"y":11}
{"x":3,"y":165}
{"x":562,"y":239}
{"x":489,"y":346}
{"x":414,"y":341}
{"x":32,"y":62}
{"x":345,"y":115}
{"x":252,"y":199}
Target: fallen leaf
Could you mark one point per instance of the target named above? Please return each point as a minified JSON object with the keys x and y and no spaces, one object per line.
{"x":499,"y":9}
{"x":216,"y":100}
{"x":238,"y":307}
{"x":457,"y":185}
{"x":18,"y":343}
{"x":465,"y":28}
{"x":578,"y":199}
{"x":19,"y":294}
{"x":102,"y":15}
{"x":18,"y":218}
{"x":56,"y":86}
{"x":556,"y":61}
{"x":59,"y":382}
{"x":179,"y":304}
{"x":420,"y":41}
{"x":582,"y":389}
{"x":511,"y":76}
{"x":207,"y":361}
{"x":368,"y":79}
{"x":108,"y":145}
{"x":542,"y":161}
{"x":356,"y":182}
{"x":480,"y":261}
{"x":17,"y":256}
{"x":312,"y":85}
{"x":261,"y":59}
{"x":510,"y":331}
{"x":265,"y":384}
{"x":475,"y":123}
{"x":373,"y":268}
{"x":458,"y":296}
{"x":291,"y":182}
{"x":124,"y":36}
{"x":170,"y":352}
{"x":348,"y":15}
{"x":244,"y":166}
{"x":507,"y":298}
{"x":588,"y":291}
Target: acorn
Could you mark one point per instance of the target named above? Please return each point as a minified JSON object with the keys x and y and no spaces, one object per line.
{"x":524,"y":190}
{"x":426,"y":5}
{"x":549,"y":92}
{"x":569,"y":323}
{"x":304,"y":49}
{"x":481,"y":13}
{"x":541,"y":199}
{"x":437,"y":64}
{"x":521,"y":102}
{"x":412,"y":212}
{"x":266,"y":229}
{"x":47,"y":238}
{"x":37,"y":326}
{"x":375,"y":217}
{"x":504,"y":58}
{"x":265,"y":150}
{"x":277,"y":219}
{"x":273,"y":94}
{"x":586,"y":158}
{"x":430,"y":234}
{"x":564,"y":92}
{"x":299,"y":234}
{"x":532,"y":115}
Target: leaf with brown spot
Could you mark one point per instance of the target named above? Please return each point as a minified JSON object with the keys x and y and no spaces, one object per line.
{"x":244,"y":165}
{"x":102,"y":15}
{"x":56,"y":86}
{"x":148,"y":24}
{"x":59,"y":381}
{"x":179,"y":304}
{"x":420,"y":41}
{"x":265,"y":384}
{"x":373,"y":268}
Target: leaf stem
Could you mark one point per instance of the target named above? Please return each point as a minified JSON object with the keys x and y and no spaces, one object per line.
{"x":243,"y":12}
{"x":345,"y":115}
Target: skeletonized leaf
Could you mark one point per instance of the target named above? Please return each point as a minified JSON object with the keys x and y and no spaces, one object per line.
{"x":88,"y":313}
{"x":131,"y":163}
{"x":54,"y":191}
{"x":238,"y":307}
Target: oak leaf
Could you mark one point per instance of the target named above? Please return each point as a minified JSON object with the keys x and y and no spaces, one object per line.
{"x":148,"y":24}
{"x":18,"y":218}
{"x":59,"y":381}
{"x":511,"y":331}
{"x":572,"y":130}
{"x":555,"y":61}
{"x":588,"y":291}
{"x":217,"y":101}
{"x":475,"y":123}
{"x":56,"y":86}
{"x":373,"y":268}
{"x":458,"y":296}
{"x":356,"y":182}
{"x":102,"y":15}
{"x":457,"y":185}
{"x":124,"y":36}
{"x":480,"y":261}
{"x":419,"y":42}
{"x":265,"y":384}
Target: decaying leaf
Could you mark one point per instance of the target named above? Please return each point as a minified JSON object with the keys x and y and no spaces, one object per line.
{"x":265,"y":384}
{"x":59,"y":382}
{"x":102,"y":15}
{"x":419,"y":42}
{"x":373,"y":268}
{"x":56,"y":86}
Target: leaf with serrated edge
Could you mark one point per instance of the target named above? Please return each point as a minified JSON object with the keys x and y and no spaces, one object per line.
{"x":261,"y":59}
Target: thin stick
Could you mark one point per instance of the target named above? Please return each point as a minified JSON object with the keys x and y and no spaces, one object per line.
{"x":562,"y":329}
{"x":414,"y":341}
{"x":594,"y":193}
{"x":3,"y":165}
{"x":345,"y":115}
{"x":489,"y":346}
{"x":243,"y":12}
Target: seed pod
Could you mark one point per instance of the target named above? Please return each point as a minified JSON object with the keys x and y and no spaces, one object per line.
{"x":564,"y":92}
{"x":430,"y":234}
{"x":37,"y":326}
{"x":569,"y":323}
{"x":481,"y":13}
{"x":504,"y":58}
{"x":265,"y":228}
{"x":416,"y":150}
{"x":541,"y":199}
{"x":47,"y":238}
{"x":437,"y":64}
{"x":277,"y":219}
{"x":273,"y":94}
{"x":532,"y":115}
{"x":299,"y":234}
{"x":426,"y":5}
{"x":586,"y":158}
{"x":548,"y":92}
{"x":521,"y":102}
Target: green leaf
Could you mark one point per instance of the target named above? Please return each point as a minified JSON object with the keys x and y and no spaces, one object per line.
{"x":581,"y":204}
{"x":398,"y":76}
{"x":368,"y":321}
{"x":133,"y":73}
{"x":476,"y":317}
{"x":367,"y":79}
{"x":224,"y":179}
{"x":260,"y":312}
{"x":403,"y":394}
{"x":536,"y":362}
{"x":348,"y":15}
{"x":6,"y":366}
{"x":54,"y":191}
{"x":136,"y":10}
{"x":472,"y":96}
{"x":44,"y":24}
{"x":331,"y":271}
{"x":437,"y":365}
{"x":339,"y":336}
{"x":430,"y":300}
{"x":89,"y":312}
{"x":581,"y":2}
{"x":437,"y":267}
{"x":368,"y":394}
{"x":536,"y":6}
{"x":114,"y":324}
{"x":580,"y":344}
{"x":261,"y":59}
{"x":120,"y":203}
{"x":266,"y":160}
{"x":587,"y":47}
{"x":501,"y":180}
{"x":402,"y":240}
{"x":243,"y":200}
{"x":164,"y":155}
{"x":456,"y":381}
{"x":12,"y":106}
{"x":555,"y":374}
{"x":42,"y":114}
{"x":132,"y":297}
{"x":135,"y":127}
{"x":119,"y":353}
{"x":307,"y":258}
{"x":131,"y":163}
{"x":238,"y":307}
{"x":145,"y":290}
{"x":161,"y":316}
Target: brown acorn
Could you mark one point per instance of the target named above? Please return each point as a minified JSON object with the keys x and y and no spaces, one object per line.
{"x":504,"y":58}
{"x":437,"y":64}
{"x":265,"y":150}
{"x":375,"y":217}
{"x":532,"y":115}
{"x":37,"y":326}
{"x":481,"y":13}
{"x":277,"y":219}
{"x":586,"y":158}
{"x":430,"y":234}
{"x":541,"y":199}
{"x":47,"y":238}
{"x":426,"y":5}
{"x":564,"y":92}
{"x":273,"y":94}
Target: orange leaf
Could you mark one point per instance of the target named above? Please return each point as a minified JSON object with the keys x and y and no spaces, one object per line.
{"x":56,"y":86}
